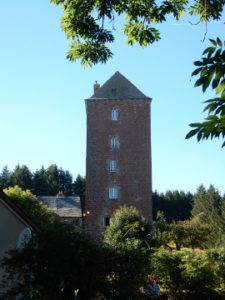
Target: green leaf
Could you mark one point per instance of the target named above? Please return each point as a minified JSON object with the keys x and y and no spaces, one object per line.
{"x":196,"y":71}
{"x":198,"y":63}
{"x":223,"y":95}
{"x":207,"y":81}
{"x":219,"y":42}
{"x":191,"y":133}
{"x":211,"y":107}
{"x":212,"y":100}
{"x":204,"y":72}
{"x":199,"y":81}
{"x":199,"y":136}
{"x":209,"y":50}
{"x":220,"y":87}
{"x":212,"y":118}
{"x":195,"y":125}
{"x":216,"y":81}
{"x":213,"y":42}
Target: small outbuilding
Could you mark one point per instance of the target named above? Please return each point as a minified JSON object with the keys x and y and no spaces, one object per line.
{"x":67,"y":208}
{"x":15,"y":227}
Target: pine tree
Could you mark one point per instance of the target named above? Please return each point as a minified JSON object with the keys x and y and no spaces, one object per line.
{"x":5,"y":178}
{"x":22,"y":177}
{"x":40,"y":182}
{"x":208,"y":204}
{"x":52,"y":180}
{"x":199,"y":201}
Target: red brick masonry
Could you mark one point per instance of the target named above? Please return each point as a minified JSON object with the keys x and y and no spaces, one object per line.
{"x":133,"y":176}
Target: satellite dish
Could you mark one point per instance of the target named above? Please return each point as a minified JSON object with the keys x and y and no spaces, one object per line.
{"x":24,"y":237}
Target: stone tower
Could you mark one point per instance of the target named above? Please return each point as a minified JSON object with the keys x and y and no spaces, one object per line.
{"x":118,"y":162}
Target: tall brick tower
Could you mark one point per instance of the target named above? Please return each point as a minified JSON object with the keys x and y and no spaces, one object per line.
{"x":118,"y":162}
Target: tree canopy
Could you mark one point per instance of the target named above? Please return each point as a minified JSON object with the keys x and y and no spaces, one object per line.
{"x":121,"y":265}
{"x":210,"y":207}
{"x":36,"y":210}
{"x":89,"y":24}
{"x":211,"y":72}
{"x":43,"y":181}
{"x":176,"y":205}
{"x":64,"y":262}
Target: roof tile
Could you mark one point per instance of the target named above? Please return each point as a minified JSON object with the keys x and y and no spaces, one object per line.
{"x":118,"y":87}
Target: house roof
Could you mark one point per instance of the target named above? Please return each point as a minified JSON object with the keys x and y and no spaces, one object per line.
{"x":17,"y":211}
{"x":63,"y":206}
{"x":118,"y":87}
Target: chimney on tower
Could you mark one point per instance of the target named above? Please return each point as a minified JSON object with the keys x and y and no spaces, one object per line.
{"x":96,"y":86}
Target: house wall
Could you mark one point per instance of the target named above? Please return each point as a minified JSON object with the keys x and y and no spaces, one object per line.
{"x":75,"y":221}
{"x":10,"y":229}
{"x":133,"y":176}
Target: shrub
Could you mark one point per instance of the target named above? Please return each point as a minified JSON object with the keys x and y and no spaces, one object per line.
{"x":185,"y":274}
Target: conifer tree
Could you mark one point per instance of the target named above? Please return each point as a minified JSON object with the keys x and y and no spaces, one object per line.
{"x":22,"y":177}
{"x":5,"y":178}
{"x":208,"y":204}
{"x":40,"y":182}
{"x":199,"y":201}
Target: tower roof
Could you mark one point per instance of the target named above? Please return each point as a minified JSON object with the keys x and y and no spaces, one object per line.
{"x":118,"y":87}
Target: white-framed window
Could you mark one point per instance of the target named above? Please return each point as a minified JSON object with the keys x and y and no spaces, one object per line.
{"x":115,"y":142}
{"x":115,"y":115}
{"x":113,"y":193}
{"x":112,"y":166}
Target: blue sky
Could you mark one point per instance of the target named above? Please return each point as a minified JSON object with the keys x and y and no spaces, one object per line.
{"x":43,"y":119}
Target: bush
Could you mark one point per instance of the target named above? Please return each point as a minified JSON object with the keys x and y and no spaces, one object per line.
{"x":185,"y":274}
{"x":36,"y":210}
{"x":216,"y":258}
{"x":125,"y":237}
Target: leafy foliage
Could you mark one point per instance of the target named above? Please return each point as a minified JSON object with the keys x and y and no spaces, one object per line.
{"x":5,"y":178}
{"x":187,"y":233}
{"x":90,"y":24}
{"x":186,"y":274}
{"x":217,"y":259}
{"x":61,"y":261}
{"x":36,"y":210}
{"x":206,"y":227}
{"x":126,"y":226}
{"x":211,"y":71}
{"x":196,"y":233}
{"x":160,"y":229}
{"x":126,"y":237}
{"x":22,"y":177}
{"x":209,"y":207}
{"x":118,"y":267}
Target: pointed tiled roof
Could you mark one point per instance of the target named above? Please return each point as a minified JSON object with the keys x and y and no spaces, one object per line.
{"x":118,"y":87}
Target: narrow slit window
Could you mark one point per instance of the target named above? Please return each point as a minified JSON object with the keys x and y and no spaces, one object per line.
{"x":115,"y":115}
{"x":112,"y":166}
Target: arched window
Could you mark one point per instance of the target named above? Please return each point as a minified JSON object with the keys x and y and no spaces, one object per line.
{"x":115,"y":114}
